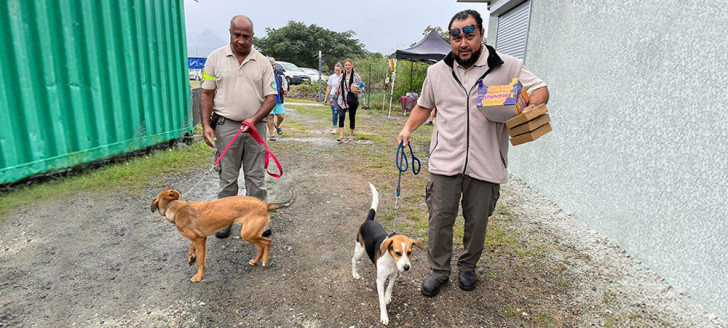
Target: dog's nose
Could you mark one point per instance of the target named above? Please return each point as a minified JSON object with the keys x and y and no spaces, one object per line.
{"x":406,"y":267}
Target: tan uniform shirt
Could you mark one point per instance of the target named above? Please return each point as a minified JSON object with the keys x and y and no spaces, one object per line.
{"x":240,"y":88}
{"x":464,"y":141}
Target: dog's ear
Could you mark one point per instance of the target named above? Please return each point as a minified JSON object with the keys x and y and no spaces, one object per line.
{"x":155,"y":204}
{"x":385,"y":245}
{"x":179,"y":194}
{"x":418,"y":244}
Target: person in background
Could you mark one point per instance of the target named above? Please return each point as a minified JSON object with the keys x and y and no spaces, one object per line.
{"x":347,"y":91}
{"x":468,"y":162}
{"x":433,"y":113}
{"x":238,"y":84}
{"x":275,"y":118}
{"x":333,"y":84}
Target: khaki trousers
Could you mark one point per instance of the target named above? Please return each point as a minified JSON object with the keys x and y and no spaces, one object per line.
{"x":245,"y":152}
{"x":478,"y":202}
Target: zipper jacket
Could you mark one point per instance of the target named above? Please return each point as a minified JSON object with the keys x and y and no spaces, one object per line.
{"x":464,"y":141}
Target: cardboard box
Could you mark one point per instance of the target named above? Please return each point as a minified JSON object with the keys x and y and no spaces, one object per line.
{"x":529,"y":126}
{"x":531,"y":136}
{"x":499,"y":103}
{"x":527,"y":116}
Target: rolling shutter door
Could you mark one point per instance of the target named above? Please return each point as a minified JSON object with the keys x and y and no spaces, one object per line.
{"x":512,"y":33}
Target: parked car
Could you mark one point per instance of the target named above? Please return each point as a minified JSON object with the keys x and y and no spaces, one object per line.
{"x":294,"y":75}
{"x":314,"y":74}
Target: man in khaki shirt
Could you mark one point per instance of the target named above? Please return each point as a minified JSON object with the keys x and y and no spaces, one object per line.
{"x":468,"y":153}
{"x":238,"y":84}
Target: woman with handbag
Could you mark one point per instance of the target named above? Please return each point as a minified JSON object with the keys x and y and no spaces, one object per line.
{"x":347,"y":96}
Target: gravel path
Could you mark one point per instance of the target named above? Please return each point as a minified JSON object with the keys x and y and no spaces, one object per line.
{"x":99,"y":260}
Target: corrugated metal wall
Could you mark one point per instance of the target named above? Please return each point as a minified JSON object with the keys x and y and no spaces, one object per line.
{"x":87,"y":80}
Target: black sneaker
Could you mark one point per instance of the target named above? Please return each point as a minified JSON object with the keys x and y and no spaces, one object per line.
{"x":224,"y":233}
{"x":467,"y":280}
{"x":429,"y":123}
{"x":279,"y":130}
{"x":431,"y":285}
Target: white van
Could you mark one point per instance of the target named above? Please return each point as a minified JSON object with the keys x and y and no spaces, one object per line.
{"x":294,"y":75}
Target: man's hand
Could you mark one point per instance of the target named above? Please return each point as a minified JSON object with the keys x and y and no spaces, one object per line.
{"x":246,"y":128}
{"x":528,"y":108}
{"x":403,"y":136}
{"x":209,"y":134}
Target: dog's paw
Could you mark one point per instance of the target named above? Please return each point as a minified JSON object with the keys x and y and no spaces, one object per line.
{"x":191,"y":260}
{"x":387,"y":299}
{"x":252,"y":262}
{"x":263,"y":263}
{"x":196,"y":278}
{"x":356,"y":275}
{"x":384,"y":319}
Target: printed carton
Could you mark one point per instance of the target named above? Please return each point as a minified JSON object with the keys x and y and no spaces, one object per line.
{"x":499,"y":103}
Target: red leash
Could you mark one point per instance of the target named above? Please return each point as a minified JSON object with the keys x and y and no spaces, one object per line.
{"x":254,"y":133}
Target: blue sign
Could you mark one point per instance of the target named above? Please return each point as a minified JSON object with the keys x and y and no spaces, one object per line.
{"x":196,"y":62}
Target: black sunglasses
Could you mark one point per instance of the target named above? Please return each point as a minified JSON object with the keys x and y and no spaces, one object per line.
{"x":467,"y":29}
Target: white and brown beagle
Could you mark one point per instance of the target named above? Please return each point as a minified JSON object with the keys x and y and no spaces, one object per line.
{"x":389,"y":253}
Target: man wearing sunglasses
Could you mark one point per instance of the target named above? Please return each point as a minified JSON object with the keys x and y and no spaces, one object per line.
{"x":468,"y":153}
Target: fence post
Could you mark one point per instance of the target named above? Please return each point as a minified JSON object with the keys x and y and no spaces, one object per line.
{"x":319,"y":79}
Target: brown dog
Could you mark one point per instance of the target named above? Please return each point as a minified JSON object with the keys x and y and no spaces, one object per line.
{"x":197,"y":220}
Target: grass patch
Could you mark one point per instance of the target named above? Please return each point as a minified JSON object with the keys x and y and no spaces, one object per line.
{"x":499,"y":241}
{"x":511,"y":311}
{"x":322,"y":112}
{"x":609,"y":297}
{"x":128,"y":178}
{"x":563,"y":283}
{"x":294,"y":100}
{"x":540,"y":319}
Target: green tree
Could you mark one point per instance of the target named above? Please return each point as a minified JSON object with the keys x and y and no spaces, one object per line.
{"x":299,"y":44}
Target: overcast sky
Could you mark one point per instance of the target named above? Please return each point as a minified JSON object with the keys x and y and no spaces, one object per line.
{"x":381,"y":25}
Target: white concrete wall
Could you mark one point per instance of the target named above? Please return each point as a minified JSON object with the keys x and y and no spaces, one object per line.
{"x":639,"y":150}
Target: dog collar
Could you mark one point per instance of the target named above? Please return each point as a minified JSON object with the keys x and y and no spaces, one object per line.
{"x":166,"y":208}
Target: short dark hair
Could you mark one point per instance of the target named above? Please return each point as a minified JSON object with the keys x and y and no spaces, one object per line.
{"x":463,"y":15}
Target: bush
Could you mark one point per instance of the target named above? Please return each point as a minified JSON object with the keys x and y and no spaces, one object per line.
{"x":305,"y":91}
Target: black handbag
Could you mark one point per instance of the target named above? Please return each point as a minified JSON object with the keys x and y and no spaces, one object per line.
{"x":352,"y":99}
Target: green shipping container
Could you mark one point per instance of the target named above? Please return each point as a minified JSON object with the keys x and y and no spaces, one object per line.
{"x":87,"y":80}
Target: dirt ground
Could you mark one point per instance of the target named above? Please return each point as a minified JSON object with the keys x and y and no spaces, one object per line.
{"x":97,"y":260}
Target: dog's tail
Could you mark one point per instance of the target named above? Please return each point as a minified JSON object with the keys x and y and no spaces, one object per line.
{"x":274,"y":206}
{"x":375,"y":203}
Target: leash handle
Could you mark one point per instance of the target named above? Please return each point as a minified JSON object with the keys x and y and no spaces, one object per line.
{"x":400,"y":159}
{"x":256,"y":136}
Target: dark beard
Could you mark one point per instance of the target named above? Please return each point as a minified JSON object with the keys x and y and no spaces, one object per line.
{"x":469,"y":62}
